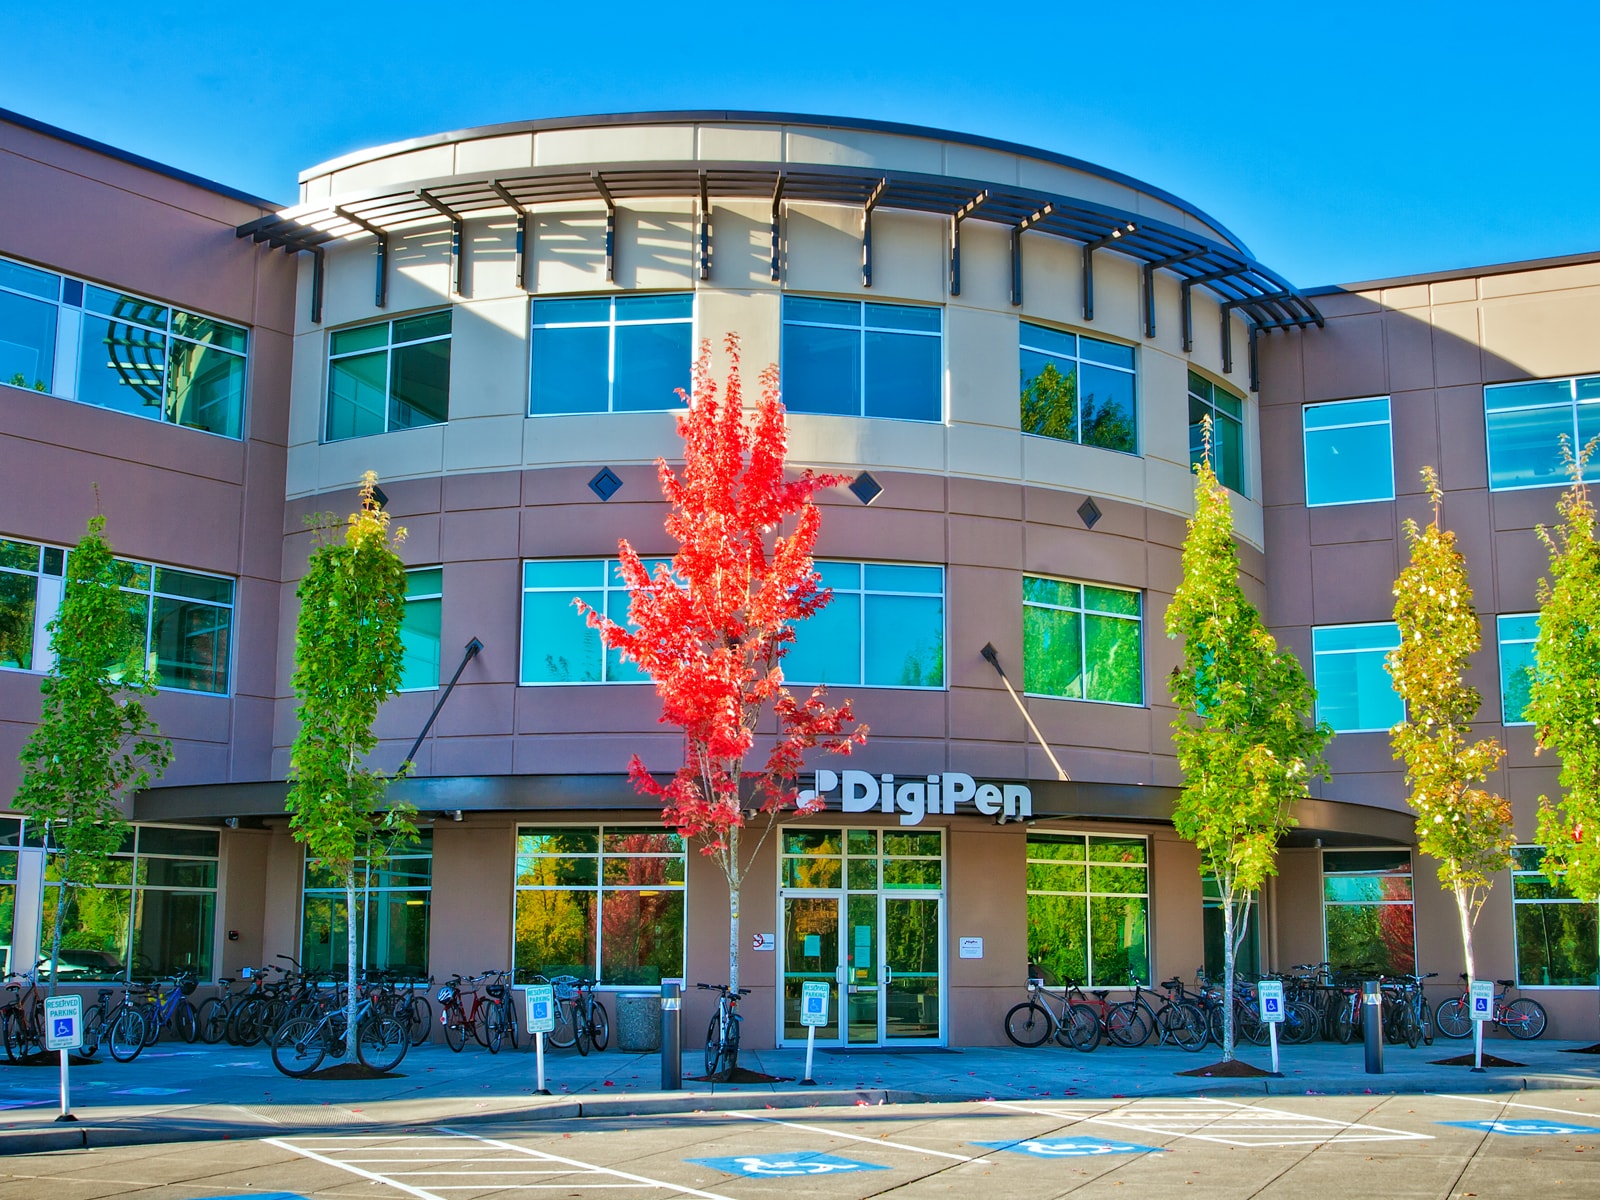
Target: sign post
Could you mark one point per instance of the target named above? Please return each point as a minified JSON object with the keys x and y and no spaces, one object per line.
{"x":541,"y":1020}
{"x":1482,"y":993}
{"x":813,"y":1012}
{"x":63,"y":1031}
{"x":1269,"y":995}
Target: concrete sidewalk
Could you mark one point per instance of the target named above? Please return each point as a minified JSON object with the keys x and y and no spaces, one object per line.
{"x":174,"y":1092}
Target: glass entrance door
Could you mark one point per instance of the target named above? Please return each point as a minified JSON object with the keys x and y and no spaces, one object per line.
{"x":912,"y":975}
{"x":810,"y":951}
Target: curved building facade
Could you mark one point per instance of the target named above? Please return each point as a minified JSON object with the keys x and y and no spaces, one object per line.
{"x":1011,"y":352}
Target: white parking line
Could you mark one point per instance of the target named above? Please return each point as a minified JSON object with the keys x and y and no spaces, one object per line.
{"x":854,"y":1137}
{"x":1228,"y":1122}
{"x":1566,"y":1112}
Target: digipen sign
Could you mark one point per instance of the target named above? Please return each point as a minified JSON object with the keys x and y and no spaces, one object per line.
{"x":915,"y":798}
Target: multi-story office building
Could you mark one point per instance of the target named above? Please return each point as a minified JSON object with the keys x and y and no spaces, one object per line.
{"x":1011,"y":350}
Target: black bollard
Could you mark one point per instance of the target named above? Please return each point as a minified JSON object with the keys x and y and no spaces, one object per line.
{"x":1372,"y":1025}
{"x":671,"y":1036}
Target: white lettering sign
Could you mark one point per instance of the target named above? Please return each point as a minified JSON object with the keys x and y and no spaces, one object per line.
{"x":915,"y":798}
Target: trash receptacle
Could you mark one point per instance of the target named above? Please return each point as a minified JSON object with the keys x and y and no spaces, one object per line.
{"x":638,"y":1021}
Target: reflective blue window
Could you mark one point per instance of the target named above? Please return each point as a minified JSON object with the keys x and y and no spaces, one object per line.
{"x":884,"y":627}
{"x":1526,"y":422}
{"x":1354,"y":691}
{"x":420,"y":629}
{"x":1517,"y":635}
{"x":558,"y":646}
{"x":853,"y":358}
{"x":1349,"y":455}
{"x":1082,"y":641}
{"x":388,"y":375}
{"x":1226,"y":411}
{"x":1078,"y":389}
{"x":611,"y":354}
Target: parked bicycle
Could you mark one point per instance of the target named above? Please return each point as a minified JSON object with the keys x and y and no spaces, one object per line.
{"x":300,"y":1044}
{"x":722,"y":1036}
{"x":581,"y":1019}
{"x":119,"y":1027}
{"x":22,"y":1016}
{"x":167,"y":1007}
{"x":1521,"y":1018}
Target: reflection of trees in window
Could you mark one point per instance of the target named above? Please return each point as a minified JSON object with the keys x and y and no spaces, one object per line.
{"x":1088,"y":908}
{"x":1050,"y":408}
{"x":1558,"y":935}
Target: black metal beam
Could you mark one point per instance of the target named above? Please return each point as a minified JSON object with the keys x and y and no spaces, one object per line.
{"x":1017,"y":230}
{"x":472,"y":650}
{"x":522,"y":231}
{"x":1150,"y":269}
{"x":1255,"y":360}
{"x":381,"y":291}
{"x":777,"y":226}
{"x":611,"y":224}
{"x":456,"y":230}
{"x":705,"y":228}
{"x":1089,"y":248}
{"x":317,"y":268}
{"x":1186,"y":287}
{"x":866,"y":230}
{"x":960,"y":215}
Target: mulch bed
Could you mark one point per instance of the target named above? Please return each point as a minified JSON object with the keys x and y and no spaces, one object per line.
{"x":1466,"y":1060}
{"x":1594,"y":1049}
{"x":353,"y":1071}
{"x":740,"y":1075}
{"x":50,"y":1058}
{"x":1234,"y":1069}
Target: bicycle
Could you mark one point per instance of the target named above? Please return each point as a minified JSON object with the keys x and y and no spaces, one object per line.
{"x":1086,"y":1020}
{"x":500,"y":1021}
{"x":167,"y":1009}
{"x":722,"y":1036}
{"x":120,"y":1028}
{"x":581,"y":1020}
{"x":22,"y":1017}
{"x":1522,"y":1018}
{"x":1179,"y":1022}
{"x":1406,"y":1015}
{"x":299,"y":1045}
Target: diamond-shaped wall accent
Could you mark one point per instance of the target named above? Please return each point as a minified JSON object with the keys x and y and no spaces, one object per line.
{"x":866,"y":488}
{"x":1089,"y":511}
{"x":605,"y":484}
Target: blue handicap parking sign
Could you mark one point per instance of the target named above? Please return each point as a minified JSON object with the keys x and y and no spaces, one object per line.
{"x":1068,"y":1147}
{"x":800,"y":1162}
{"x":63,"y":1027}
{"x":1525,"y":1128}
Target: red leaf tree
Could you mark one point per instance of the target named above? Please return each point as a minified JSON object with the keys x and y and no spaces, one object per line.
{"x":712,"y":630}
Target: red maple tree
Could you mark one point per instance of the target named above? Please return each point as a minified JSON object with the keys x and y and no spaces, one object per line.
{"x":712,"y":629}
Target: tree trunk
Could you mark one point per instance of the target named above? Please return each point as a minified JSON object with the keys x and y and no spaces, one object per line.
{"x":1463,"y":909}
{"x":350,"y":964}
{"x":735,"y":877}
{"x":1227,"y":974}
{"x":55,"y":940}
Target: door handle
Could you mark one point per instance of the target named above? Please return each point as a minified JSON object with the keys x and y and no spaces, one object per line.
{"x":888,"y":975}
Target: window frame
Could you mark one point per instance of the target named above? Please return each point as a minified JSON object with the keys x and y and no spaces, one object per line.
{"x":1306,"y":436}
{"x":1518,"y":871}
{"x":1208,"y":398}
{"x":1573,"y":406}
{"x":436,"y":598}
{"x":1083,"y":611}
{"x":612,"y":584}
{"x":365,"y":891}
{"x":611,"y":325}
{"x":1318,"y":654}
{"x":862,"y":649}
{"x":1078,"y":361}
{"x":1409,"y":902}
{"x":1089,"y":893}
{"x":388,"y":350}
{"x":862,"y":329}
{"x":1501,"y":642}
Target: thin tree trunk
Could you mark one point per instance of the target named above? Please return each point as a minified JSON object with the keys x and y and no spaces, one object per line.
{"x":735,"y":880}
{"x":55,"y":940}
{"x":1227,"y":975}
{"x":1463,"y":902}
{"x":350,"y":964}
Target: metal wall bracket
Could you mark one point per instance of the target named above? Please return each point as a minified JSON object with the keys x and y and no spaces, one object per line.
{"x":866,"y":231}
{"x":522,"y":232}
{"x":960,"y":215}
{"x":611,"y":225}
{"x":777,"y":228}
{"x":1088,"y":264}
{"x":318,"y":266}
{"x":1150,"y":269}
{"x":457,"y":228}
{"x":381,"y":290}
{"x":705,"y":227}
{"x":1188,"y":304}
{"x":1017,"y":230}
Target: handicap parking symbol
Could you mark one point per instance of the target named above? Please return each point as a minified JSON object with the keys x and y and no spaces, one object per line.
{"x":63,"y":1027}
{"x":802,"y":1162}
{"x":1068,"y":1147}
{"x":1531,"y":1128}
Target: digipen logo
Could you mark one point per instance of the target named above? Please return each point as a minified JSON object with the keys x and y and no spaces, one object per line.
{"x":915,"y":798}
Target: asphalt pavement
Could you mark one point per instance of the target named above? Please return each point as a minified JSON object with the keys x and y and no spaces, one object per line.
{"x":175,"y":1092}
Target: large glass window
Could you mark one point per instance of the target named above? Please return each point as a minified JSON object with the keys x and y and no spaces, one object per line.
{"x":1518,"y":632}
{"x":183,"y":618}
{"x":1354,"y":691}
{"x":1366,"y":910}
{"x":1088,"y":908}
{"x":1078,"y":389}
{"x":1081,"y":641}
{"x":388,"y":376}
{"x":420,"y":629}
{"x":152,"y":913}
{"x":1525,"y":423}
{"x":1558,"y":936}
{"x":1248,"y":960}
{"x":860,"y":359}
{"x":392,"y":909}
{"x":558,"y":646}
{"x":603,"y":903}
{"x":10,"y":839}
{"x":1226,"y":411}
{"x":611,"y":353}
{"x":884,"y":627}
{"x":1349,"y":452}
{"x":123,"y":352}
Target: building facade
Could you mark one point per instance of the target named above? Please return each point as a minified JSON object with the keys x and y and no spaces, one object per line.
{"x":1010,"y":350}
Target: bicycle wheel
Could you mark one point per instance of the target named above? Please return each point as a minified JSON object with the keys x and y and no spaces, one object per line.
{"x":1214,"y":1025}
{"x":582,"y":1035}
{"x":184,"y":1022}
{"x":480,"y":1022}
{"x":1125,"y":1025}
{"x":713,"y":1046}
{"x":125,"y":1038}
{"x":1344,"y":1022}
{"x":382,"y":1041}
{"x":5,"y":1033}
{"x":297,"y":1047}
{"x":1453,"y":1019}
{"x":1300,"y":1024}
{"x":1187,"y":1026}
{"x":599,"y":1026}
{"x":93,"y":1029}
{"x":730,"y":1045}
{"x":1407,"y":1026}
{"x":1080,"y":1029}
{"x":212,"y":1020}
{"x":1027,"y":1025}
{"x":512,"y":1023}
{"x":494,"y":1027}
{"x":1523,"y":1018}
{"x":420,"y":1016}
{"x":153,"y":1021}
{"x":565,"y":1032}
{"x":455,"y":1027}
{"x":1425,"y":1020}
{"x":1247,"y":1024}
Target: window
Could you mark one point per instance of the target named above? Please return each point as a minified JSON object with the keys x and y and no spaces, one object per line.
{"x":388,"y":376}
{"x":611,"y":354}
{"x":1349,"y":455}
{"x":10,"y":839}
{"x":1366,"y":910}
{"x":858,"y":359}
{"x":1088,"y":908}
{"x":1078,"y":389}
{"x":605,"y":903}
{"x":1248,"y":960}
{"x":1525,"y":423}
{"x":1558,"y":937}
{"x":157,"y":895}
{"x":81,"y":342}
{"x":1354,"y":691}
{"x":558,"y":646}
{"x":420,"y":631}
{"x":184,"y":618}
{"x":392,"y":908}
{"x":1226,"y":411}
{"x":1082,"y":642}
{"x":884,"y":627}
{"x":1517,"y":636}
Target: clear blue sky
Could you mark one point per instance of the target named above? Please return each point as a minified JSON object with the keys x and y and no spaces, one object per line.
{"x":1342,"y":141}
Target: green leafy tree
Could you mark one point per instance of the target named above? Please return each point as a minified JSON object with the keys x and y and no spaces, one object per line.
{"x":96,"y":742}
{"x":1564,"y":702}
{"x":1466,"y":827}
{"x":1246,"y":742}
{"x":348,"y":658}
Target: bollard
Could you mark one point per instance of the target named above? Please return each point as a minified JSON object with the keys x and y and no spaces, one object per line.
{"x":1372,"y":1025}
{"x":671,"y":1036}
